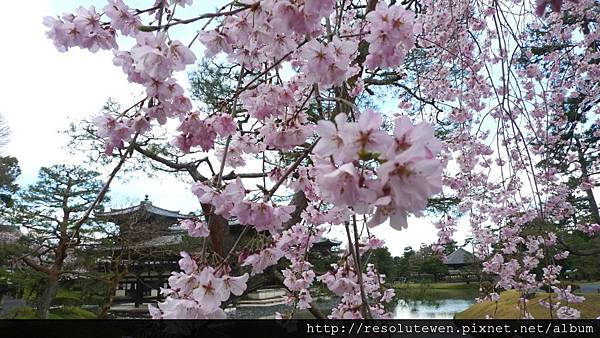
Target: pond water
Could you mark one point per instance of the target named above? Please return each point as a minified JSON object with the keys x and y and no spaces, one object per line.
{"x":431,"y":309}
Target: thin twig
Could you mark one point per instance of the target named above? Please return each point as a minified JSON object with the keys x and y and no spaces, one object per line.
{"x":291,"y":169}
{"x":200,"y":17}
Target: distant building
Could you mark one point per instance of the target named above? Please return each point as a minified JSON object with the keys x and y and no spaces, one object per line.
{"x":325,"y":246}
{"x":148,"y":246}
{"x":460,"y":259}
{"x":463,"y":266}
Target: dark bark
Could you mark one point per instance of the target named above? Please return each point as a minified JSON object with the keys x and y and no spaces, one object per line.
{"x":593,"y":206}
{"x":219,"y":231}
{"x":300,"y":202}
{"x":110,"y":295}
{"x":43,"y":308}
{"x":585,"y":177}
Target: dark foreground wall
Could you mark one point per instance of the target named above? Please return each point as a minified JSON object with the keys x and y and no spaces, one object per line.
{"x":298,"y":328}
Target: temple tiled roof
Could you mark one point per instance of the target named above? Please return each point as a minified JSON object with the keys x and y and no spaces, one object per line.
{"x":460,"y":257}
{"x":324,"y":240}
{"x":145,"y":207}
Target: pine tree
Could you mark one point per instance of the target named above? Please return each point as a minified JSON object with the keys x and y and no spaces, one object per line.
{"x":51,"y":209}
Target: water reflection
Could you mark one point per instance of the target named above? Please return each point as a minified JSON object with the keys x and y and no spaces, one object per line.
{"x":431,"y":309}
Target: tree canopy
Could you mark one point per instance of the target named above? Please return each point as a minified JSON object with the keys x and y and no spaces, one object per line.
{"x":55,"y":211}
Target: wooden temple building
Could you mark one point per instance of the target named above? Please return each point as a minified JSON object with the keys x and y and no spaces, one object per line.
{"x":147,"y":249}
{"x":463,"y":266}
{"x":460,"y":258}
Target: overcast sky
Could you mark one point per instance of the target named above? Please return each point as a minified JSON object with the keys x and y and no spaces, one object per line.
{"x":43,"y":91}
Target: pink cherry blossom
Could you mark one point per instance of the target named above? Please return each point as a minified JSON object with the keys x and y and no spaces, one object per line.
{"x":148,"y":56}
{"x":234,"y":285}
{"x":114,"y":130}
{"x":183,"y":283}
{"x":411,"y":178}
{"x":215,"y":42}
{"x":365,"y":136}
{"x":331,"y":142}
{"x":121,"y":17}
{"x":186,"y":263}
{"x":391,"y":35}
{"x":262,"y":260}
{"x":224,"y":125}
{"x":208,"y":294}
{"x":179,"y":55}
{"x":195,"y":227}
{"x":341,"y":186}
{"x":565,"y":312}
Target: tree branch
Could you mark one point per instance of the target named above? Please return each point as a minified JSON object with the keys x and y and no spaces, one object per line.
{"x":200,"y":17}
{"x":190,"y":167}
{"x":104,"y":190}
{"x":35,"y":265}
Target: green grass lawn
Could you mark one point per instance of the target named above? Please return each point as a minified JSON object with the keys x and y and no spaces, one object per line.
{"x":508,"y":307}
{"x":67,"y":312}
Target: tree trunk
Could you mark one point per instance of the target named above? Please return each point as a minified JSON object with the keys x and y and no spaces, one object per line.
{"x":219,"y":231}
{"x":43,"y":308}
{"x":300,"y":202}
{"x":110,"y":295}
{"x":585,"y":177}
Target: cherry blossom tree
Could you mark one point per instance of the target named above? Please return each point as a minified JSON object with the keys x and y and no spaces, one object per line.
{"x":473,"y":121}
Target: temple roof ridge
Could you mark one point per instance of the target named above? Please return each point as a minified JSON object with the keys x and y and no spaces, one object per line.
{"x":143,"y":206}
